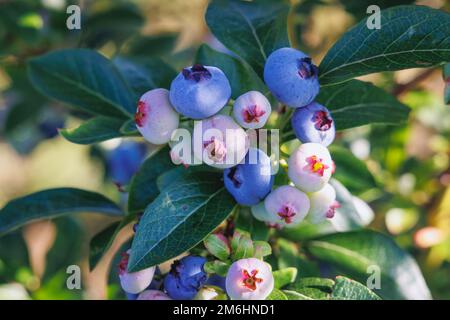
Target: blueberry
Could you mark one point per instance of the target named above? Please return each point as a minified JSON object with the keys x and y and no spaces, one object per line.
{"x":291,"y":77}
{"x":155,"y":117}
{"x":251,"y":110}
{"x":310,"y":167}
{"x":199,"y":92}
{"x":124,"y":161}
{"x":249,"y":279}
{"x":185,"y":278}
{"x":216,"y":280}
{"x":287,"y":206}
{"x":134,"y":282}
{"x":251,"y":181}
{"x":313,"y":123}
{"x":219,"y":141}
{"x":323,"y":204}
{"x":153,"y":295}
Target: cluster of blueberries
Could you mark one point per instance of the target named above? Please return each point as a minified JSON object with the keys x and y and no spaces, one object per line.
{"x":201,"y":93}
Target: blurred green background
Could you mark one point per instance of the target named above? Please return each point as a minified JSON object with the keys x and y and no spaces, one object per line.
{"x":410,"y":164}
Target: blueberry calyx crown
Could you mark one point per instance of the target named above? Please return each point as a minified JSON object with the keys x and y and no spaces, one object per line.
{"x":232,"y":175}
{"x":140,"y":114}
{"x":123,"y":264}
{"x":250,"y":280}
{"x":322,"y":120}
{"x":306,"y":69}
{"x":253,"y":113}
{"x":286,"y":213}
{"x":197,"y":73}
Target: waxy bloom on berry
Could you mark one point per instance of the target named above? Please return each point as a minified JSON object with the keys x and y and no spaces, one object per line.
{"x":155,"y":117}
{"x":153,"y":295}
{"x":291,"y":77}
{"x":323,"y":204}
{"x":134,"y":282}
{"x":185,"y":278}
{"x":250,"y":182}
{"x":219,"y":141}
{"x":251,"y":110}
{"x":249,"y":279}
{"x":310,"y":167}
{"x":287,"y":206}
{"x":313,"y":123}
{"x":199,"y":92}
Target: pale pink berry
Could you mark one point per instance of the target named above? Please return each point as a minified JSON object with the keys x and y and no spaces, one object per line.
{"x":155,"y":117}
{"x":153,"y":295}
{"x":251,"y":110}
{"x":249,"y":279}
{"x":219,"y":141}
{"x":323,"y":204}
{"x":310,"y":167}
{"x":134,"y":282}
{"x":287,"y":206}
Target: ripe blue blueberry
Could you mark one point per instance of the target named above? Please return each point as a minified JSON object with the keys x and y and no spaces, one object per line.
{"x":251,"y":181}
{"x":123,"y":162}
{"x":199,"y":92}
{"x":313,"y":123}
{"x":185,"y":278}
{"x":251,"y":110}
{"x":291,"y":77}
{"x":155,"y":117}
{"x":287,"y":206}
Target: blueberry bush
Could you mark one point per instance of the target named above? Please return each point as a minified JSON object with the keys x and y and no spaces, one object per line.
{"x":297,"y":220}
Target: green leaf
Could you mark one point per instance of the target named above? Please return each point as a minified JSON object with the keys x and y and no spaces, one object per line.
{"x":101,"y":242}
{"x":351,"y":171}
{"x":218,"y":246}
{"x":253,"y":30}
{"x":262,"y":249}
{"x":218,"y":267}
{"x":354,"y":252}
{"x":288,"y":256}
{"x":284,"y":277}
{"x":356,"y":103}
{"x":67,"y":247}
{"x":293,"y":295}
{"x":409,"y":37}
{"x":143,"y":188}
{"x":144,"y":74}
{"x":179,"y":218}
{"x":128,"y":128}
{"x":347,"y":289}
{"x":315,"y":288}
{"x":241,"y":245}
{"x":95,"y":130}
{"x":242,"y":77}
{"x":84,"y":79}
{"x":53,"y":203}
{"x":277,"y":294}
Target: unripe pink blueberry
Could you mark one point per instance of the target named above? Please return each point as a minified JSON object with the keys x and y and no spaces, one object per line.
{"x":134,"y":282}
{"x":249,"y":279}
{"x":323,"y":204}
{"x":153,"y":295}
{"x":219,"y":141}
{"x":155,"y":117}
{"x":251,"y":110}
{"x":310,"y":167}
{"x":287,"y":205}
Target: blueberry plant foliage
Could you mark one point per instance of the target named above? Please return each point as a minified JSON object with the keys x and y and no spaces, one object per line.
{"x":181,"y":209}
